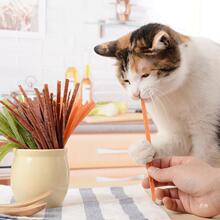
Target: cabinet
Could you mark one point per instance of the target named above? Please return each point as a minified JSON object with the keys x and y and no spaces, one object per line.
{"x":102,"y":160}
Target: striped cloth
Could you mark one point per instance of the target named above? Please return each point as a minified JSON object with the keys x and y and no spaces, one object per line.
{"x":107,"y":203}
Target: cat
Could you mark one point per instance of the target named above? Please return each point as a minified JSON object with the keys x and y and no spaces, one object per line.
{"x":178,"y":76}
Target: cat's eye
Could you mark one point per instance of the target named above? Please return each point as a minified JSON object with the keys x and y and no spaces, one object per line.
{"x":145,"y":75}
{"x":127,"y":81}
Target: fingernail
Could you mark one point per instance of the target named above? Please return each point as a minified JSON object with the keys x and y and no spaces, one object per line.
{"x":152,"y":170}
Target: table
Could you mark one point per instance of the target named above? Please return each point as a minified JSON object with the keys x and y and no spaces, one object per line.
{"x":102,"y":203}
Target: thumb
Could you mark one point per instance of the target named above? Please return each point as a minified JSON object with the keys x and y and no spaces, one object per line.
{"x":161,"y":175}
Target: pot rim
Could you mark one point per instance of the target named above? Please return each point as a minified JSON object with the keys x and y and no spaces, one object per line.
{"x":45,"y":150}
{"x":40,"y":151}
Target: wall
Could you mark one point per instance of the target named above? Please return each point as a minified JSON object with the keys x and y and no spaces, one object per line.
{"x":69,"y":37}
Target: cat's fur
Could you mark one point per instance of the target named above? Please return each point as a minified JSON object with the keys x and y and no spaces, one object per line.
{"x":181,"y":75}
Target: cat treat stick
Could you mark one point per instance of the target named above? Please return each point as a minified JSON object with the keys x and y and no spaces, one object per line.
{"x":48,"y":121}
{"x":148,"y":138}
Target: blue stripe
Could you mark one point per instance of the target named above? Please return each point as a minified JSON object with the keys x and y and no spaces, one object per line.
{"x":91,"y":205}
{"x":2,"y":217}
{"x":53,"y":213}
{"x":127,"y":204}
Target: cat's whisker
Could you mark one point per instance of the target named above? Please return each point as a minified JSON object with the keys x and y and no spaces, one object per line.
{"x":171,"y":102}
{"x":158,"y":102}
{"x":149,"y":92}
{"x":161,"y":104}
{"x":164,"y":96}
{"x":152,"y":100}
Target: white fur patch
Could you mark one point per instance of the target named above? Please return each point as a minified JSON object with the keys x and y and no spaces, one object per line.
{"x":142,"y":152}
{"x":186,"y":105}
{"x":133,"y":88}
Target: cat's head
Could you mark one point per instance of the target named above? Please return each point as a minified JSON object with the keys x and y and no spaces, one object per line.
{"x":148,"y":60}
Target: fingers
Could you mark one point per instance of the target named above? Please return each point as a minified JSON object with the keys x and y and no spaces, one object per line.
{"x":180,"y":160}
{"x":172,"y":193}
{"x":162,"y":175}
{"x":145,"y":183}
{"x":173,"y":204}
{"x":170,"y":198}
{"x":170,"y":161}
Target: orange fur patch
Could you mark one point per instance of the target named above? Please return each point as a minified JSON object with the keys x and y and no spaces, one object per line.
{"x":124,"y":41}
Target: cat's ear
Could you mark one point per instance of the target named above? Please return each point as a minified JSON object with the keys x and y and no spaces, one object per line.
{"x":161,"y":41}
{"x":108,"y":49}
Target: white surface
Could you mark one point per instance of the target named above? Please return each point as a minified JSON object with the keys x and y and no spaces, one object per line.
{"x":109,"y":203}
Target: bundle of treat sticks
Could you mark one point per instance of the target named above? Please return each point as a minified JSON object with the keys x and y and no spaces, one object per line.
{"x":49,"y":118}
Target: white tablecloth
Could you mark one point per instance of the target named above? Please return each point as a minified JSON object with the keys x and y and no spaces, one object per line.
{"x":107,"y":203}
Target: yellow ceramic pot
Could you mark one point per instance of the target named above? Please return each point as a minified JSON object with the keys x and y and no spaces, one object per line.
{"x":37,"y":171}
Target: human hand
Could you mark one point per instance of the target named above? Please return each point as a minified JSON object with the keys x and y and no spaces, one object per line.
{"x":197,"y":185}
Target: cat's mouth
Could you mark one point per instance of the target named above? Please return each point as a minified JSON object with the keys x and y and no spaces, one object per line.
{"x":146,"y":96}
{"x":146,"y":99}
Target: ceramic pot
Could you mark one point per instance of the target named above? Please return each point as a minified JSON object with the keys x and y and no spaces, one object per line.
{"x":35,"y":172}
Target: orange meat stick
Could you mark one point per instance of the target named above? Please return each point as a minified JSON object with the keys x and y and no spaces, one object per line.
{"x":148,"y":137}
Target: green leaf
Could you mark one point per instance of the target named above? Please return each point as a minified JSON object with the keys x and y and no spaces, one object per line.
{"x":4,"y":126}
{"x":2,"y":132}
{"x":10,"y":127}
{"x":4,"y":150}
{"x":12,"y":124}
{"x":27,"y":137}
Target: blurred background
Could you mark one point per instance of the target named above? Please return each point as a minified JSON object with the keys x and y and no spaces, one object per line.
{"x":40,"y":39}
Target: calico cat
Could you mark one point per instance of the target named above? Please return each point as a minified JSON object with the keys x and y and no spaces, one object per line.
{"x":179,"y":78}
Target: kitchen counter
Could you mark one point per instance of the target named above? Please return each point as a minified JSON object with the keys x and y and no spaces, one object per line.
{"x":121,"y":127}
{"x":124,"y":123}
